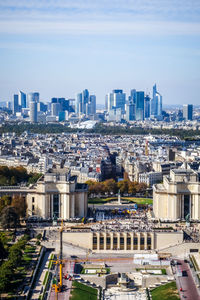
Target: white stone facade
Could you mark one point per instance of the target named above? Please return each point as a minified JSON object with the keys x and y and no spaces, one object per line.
{"x":57,"y":195}
{"x":178,"y":196}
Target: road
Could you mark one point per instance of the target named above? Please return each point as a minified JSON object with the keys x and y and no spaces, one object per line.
{"x":186,"y":283}
{"x":68,"y":268}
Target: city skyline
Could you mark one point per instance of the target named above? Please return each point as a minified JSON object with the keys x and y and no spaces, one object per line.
{"x":64,"y":46}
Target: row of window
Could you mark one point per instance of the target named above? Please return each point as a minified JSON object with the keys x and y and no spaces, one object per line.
{"x":107,"y":240}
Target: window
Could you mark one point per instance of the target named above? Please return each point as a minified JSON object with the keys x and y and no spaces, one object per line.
{"x":33,"y":199}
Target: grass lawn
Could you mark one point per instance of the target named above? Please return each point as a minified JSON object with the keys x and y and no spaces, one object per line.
{"x":128,"y":199}
{"x":82,"y":292}
{"x":166,"y":292}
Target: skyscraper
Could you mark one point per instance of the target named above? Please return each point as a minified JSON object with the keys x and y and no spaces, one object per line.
{"x":130,"y":111}
{"x":109,"y":101}
{"x":79,"y":103}
{"x":156,"y":103}
{"x":15,"y":104}
{"x":32,"y":97}
{"x":188,"y":112}
{"x":92,"y":105}
{"x":22,"y":99}
{"x":33,"y":111}
{"x":115,"y":100}
{"x":139,"y":106}
{"x":119,"y":99}
{"x":147,"y":107}
{"x":82,"y":101}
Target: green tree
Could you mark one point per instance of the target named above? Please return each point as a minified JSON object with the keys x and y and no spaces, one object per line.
{"x":6,"y":272}
{"x":9,"y":218}
{"x":2,"y":251}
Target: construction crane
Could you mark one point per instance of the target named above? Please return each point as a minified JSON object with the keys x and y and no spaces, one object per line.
{"x":58,"y":285}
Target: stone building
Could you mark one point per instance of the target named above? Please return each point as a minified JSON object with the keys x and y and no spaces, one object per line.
{"x":133,"y":241}
{"x":178,"y":196}
{"x":57,"y":195}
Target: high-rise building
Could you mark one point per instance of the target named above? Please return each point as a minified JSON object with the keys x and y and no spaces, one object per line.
{"x":92,"y":105}
{"x":79,"y":103}
{"x":188,"y":112}
{"x":82,"y":100}
{"x":22,"y":99}
{"x":55,"y":109}
{"x":85,"y":99}
{"x":133,"y":95}
{"x":156,"y":103}
{"x":15,"y":104}
{"x":33,"y":111}
{"x":130,"y":111}
{"x":115,"y":100}
{"x":32,"y":97}
{"x":147,"y":107}
{"x":119,"y":99}
{"x":139,"y":106}
{"x":109,"y":101}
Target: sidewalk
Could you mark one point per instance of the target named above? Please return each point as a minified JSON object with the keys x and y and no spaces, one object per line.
{"x":40,"y":277}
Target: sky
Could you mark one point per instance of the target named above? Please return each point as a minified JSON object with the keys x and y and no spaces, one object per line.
{"x":60,"y":47}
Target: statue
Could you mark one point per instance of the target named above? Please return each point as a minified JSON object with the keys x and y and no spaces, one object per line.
{"x":187,"y":218}
{"x":119,"y":197}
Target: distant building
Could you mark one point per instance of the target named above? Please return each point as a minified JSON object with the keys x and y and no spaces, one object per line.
{"x":22,"y":99}
{"x":32,"y":97}
{"x":15,"y":104}
{"x":55,"y":109}
{"x":91,"y":107}
{"x":156,"y":103}
{"x":147,"y":107}
{"x":188,"y":112}
{"x":85,"y":104}
{"x":130,"y":111}
{"x":33,"y":112}
{"x":116,"y":100}
{"x":139,"y":106}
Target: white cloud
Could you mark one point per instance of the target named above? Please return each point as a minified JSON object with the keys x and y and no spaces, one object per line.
{"x":99,"y":28}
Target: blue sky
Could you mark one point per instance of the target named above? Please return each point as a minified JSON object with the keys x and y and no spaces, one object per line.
{"x":61,"y":47}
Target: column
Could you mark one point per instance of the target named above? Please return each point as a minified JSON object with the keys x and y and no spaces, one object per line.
{"x":118,"y":241}
{"x":152,"y":241}
{"x":72,"y":202}
{"x":131,"y":240}
{"x":111,"y":241}
{"x":125,"y":241}
{"x":145,"y":241}
{"x":138,"y":236}
{"x":98,"y":241}
{"x":105,"y":241}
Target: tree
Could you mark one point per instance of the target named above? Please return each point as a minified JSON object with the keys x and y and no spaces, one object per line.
{"x":123,"y":186}
{"x":110,"y":186}
{"x":2,"y":251}
{"x":19,"y":203}
{"x":9,"y":218}
{"x":132,"y":187}
{"x":5,"y":276}
{"x":15,"y":256}
{"x":4,"y":201}
{"x":13,"y":180}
